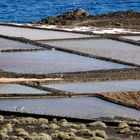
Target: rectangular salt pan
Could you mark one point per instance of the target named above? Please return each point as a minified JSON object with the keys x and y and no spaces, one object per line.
{"x":37,"y":34}
{"x":98,"y":87}
{"x":19,"y":89}
{"x":51,"y":61}
{"x":7,"y":44}
{"x":86,"y":108}
{"x":135,"y":38}
{"x":102,"y":47}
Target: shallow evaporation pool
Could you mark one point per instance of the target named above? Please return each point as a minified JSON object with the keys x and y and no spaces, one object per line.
{"x":98,"y":87}
{"x":7,"y":44}
{"x":20,"y":89}
{"x":52,"y":61}
{"x":37,"y":34}
{"x":86,"y":108}
{"x":102,"y":47}
{"x":135,"y":38}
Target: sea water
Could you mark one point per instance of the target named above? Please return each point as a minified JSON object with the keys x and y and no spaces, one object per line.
{"x":23,"y":11}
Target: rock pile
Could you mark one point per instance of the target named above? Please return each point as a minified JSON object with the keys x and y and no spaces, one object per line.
{"x":66,"y":18}
{"x":80,"y":17}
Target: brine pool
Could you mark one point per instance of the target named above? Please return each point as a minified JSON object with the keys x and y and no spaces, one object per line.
{"x":98,"y":87}
{"x":135,"y":38}
{"x":19,"y":89}
{"x":102,"y":47}
{"x":7,"y":44}
{"x":86,"y":108}
{"x":37,"y":34}
{"x":52,"y":61}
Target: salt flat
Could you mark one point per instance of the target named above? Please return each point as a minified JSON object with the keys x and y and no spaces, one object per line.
{"x":37,"y":34}
{"x":19,"y":89}
{"x":135,"y":38}
{"x":98,"y":87}
{"x":102,"y":47}
{"x":7,"y":44}
{"x":52,"y":61}
{"x":86,"y":108}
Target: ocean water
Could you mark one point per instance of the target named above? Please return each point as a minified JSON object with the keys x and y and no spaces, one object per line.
{"x":23,"y":11}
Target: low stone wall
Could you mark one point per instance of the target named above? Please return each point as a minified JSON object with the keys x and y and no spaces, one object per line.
{"x":102,"y":75}
{"x":23,"y":50}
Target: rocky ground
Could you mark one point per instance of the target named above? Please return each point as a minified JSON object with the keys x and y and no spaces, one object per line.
{"x":79,"y":17}
{"x":131,"y":98}
{"x":28,"y":128}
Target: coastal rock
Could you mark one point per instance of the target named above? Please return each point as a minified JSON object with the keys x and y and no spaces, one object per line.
{"x":66,"y":18}
{"x":81,"y":13}
{"x":80,"y":17}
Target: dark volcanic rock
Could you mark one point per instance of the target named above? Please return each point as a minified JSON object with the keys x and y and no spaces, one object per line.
{"x":67,"y":18}
{"x":81,"y":13}
{"x":80,"y":17}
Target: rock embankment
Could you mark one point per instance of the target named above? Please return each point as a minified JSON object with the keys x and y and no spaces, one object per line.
{"x":80,"y":17}
{"x":130,"y":98}
{"x":66,"y":18}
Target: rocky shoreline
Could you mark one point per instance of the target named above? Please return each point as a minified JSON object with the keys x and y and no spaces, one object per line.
{"x":80,"y":17}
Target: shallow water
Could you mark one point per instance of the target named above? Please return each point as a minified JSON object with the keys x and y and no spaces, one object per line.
{"x":98,"y":87}
{"x":36,"y":34}
{"x":87,"y":108}
{"x":103,"y":47}
{"x":23,"y":11}
{"x":7,"y":44}
{"x":52,"y":61}
{"x":135,"y":38}
{"x":19,"y":89}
